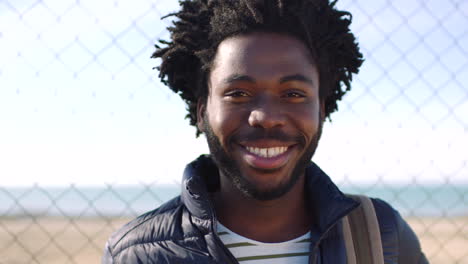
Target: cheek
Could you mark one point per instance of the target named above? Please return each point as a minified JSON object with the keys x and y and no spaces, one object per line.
{"x":223,"y":120}
{"x":307,"y":120}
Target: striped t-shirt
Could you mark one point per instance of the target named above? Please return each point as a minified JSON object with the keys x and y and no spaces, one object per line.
{"x":248,"y":251}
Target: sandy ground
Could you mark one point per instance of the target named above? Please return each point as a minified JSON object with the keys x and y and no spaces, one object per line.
{"x":59,"y":241}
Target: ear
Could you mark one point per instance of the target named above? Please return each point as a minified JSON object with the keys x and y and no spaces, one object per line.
{"x":322,"y":110}
{"x":201,"y":108}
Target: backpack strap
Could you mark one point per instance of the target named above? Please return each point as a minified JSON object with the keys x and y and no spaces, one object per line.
{"x":362,"y":234}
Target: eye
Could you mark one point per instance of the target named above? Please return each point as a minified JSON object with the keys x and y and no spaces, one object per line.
{"x":236,"y":94}
{"x":294,"y":94}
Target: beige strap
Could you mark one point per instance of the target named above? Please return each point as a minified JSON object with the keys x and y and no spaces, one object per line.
{"x":374,"y":230}
{"x":364,"y":233}
{"x":351,"y":256}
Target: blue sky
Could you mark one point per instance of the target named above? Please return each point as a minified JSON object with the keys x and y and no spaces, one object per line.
{"x":80,"y":103}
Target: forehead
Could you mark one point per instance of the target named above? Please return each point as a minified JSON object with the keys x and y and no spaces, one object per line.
{"x":256,"y":51}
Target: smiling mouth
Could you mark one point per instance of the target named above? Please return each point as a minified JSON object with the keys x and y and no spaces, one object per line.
{"x":267,"y":152}
{"x":267,"y":158}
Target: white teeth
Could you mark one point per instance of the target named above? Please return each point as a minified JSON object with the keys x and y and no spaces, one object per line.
{"x":267,"y":152}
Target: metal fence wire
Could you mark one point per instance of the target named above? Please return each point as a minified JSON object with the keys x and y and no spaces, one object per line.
{"x":410,"y":101}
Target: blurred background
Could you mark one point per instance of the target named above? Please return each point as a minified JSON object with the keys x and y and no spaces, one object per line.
{"x":89,"y":137}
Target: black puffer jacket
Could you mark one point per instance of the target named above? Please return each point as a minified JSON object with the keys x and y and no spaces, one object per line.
{"x":183,"y":229}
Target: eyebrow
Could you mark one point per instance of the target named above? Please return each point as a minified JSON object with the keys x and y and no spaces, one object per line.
{"x":245,"y":78}
{"x":238,"y":78}
{"x":296,"y":77}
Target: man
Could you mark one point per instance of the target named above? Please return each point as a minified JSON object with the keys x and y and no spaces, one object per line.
{"x":259,"y":79}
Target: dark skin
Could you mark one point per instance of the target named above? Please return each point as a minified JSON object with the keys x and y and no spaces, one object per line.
{"x":273,"y":221}
{"x":263,"y":82}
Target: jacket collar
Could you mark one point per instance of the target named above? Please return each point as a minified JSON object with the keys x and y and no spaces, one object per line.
{"x":328,"y":203}
{"x":198,"y":176}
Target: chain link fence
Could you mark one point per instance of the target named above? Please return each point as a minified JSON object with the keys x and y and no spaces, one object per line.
{"x":402,"y":132}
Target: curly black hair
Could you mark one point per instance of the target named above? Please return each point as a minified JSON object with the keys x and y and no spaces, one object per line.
{"x":201,"y":25}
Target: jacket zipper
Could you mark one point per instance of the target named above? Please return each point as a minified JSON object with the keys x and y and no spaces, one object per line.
{"x":315,"y":249}
{"x":231,"y":258}
{"x":313,"y":259}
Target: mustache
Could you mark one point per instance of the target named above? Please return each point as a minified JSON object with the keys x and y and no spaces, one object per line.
{"x":261,"y":134}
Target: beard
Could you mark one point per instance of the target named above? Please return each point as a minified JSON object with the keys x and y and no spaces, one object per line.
{"x":229,"y":167}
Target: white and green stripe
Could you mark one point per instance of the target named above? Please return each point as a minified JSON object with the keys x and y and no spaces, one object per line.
{"x":247,"y":251}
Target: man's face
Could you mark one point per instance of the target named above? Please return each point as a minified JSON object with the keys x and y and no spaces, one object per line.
{"x":262,"y":118}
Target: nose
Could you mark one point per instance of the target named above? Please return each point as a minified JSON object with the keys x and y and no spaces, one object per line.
{"x":267,"y":114}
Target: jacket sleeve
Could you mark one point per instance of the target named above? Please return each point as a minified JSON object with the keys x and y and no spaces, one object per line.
{"x":410,"y":249}
{"x":107,"y":257}
{"x":400,"y":243}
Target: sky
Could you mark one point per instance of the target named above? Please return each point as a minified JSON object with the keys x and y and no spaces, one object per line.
{"x":80,"y":102}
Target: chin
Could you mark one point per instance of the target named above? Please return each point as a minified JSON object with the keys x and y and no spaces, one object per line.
{"x":262,"y":188}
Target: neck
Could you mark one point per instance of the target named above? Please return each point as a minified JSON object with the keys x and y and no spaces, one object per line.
{"x":270,"y":221}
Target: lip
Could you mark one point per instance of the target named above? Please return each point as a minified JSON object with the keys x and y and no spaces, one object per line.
{"x":266,"y":143}
{"x":264,"y":163}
